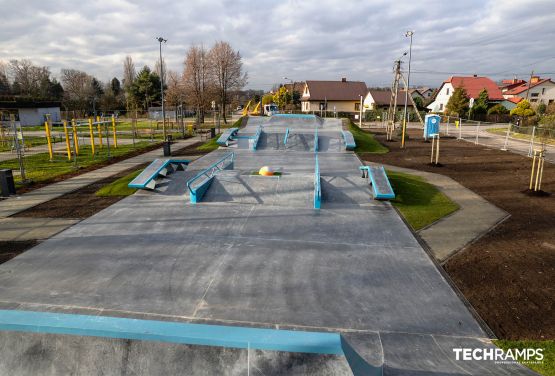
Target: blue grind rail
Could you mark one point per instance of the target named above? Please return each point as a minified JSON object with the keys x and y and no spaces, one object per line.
{"x":380,"y":182}
{"x":223,"y":140}
{"x":256,"y":137}
{"x":200,"y":183}
{"x":349,"y":140}
{"x":286,"y":137}
{"x":158,"y":167}
{"x":316,"y":139}
{"x":317,"y":185}
{"x":173,"y":332}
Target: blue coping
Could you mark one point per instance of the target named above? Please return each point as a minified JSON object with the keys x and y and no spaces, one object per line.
{"x":378,"y":195}
{"x":224,"y":138}
{"x":286,"y":136}
{"x":151,"y":172}
{"x":348,"y":144}
{"x":173,"y":332}
{"x":296,"y":116}
{"x":196,"y":194}
{"x":316,"y":140}
{"x":256,"y":137}
{"x":317,"y":185}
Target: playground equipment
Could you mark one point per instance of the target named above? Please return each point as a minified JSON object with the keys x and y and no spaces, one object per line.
{"x":349,"y":140}
{"x":199,"y":184}
{"x":536,"y":172}
{"x":227,"y":136}
{"x":379,"y":181}
{"x":246,"y":109}
{"x":158,"y":168}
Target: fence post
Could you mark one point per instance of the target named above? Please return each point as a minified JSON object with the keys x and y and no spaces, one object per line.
{"x":460,"y":128}
{"x":68,"y":147}
{"x":505,"y":146}
{"x":477,"y":132}
{"x":448,"y":120}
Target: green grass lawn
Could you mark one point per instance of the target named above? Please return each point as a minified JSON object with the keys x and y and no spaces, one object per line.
{"x":209,"y":145}
{"x":39,"y":168}
{"x":547,"y":367}
{"x":30,"y":141}
{"x":365,"y":141}
{"x":119,"y":187}
{"x":420,"y":203}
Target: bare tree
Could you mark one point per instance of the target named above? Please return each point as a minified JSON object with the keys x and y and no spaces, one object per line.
{"x":197,"y":80}
{"x":226,"y":69}
{"x":175,"y":90}
{"x":78,"y":88}
{"x":29,"y":79}
{"x":157,"y":69}
{"x":129,"y":73}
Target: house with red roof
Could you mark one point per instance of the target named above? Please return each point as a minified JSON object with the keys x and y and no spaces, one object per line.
{"x":538,"y":90}
{"x":337,"y":96}
{"x":473,"y":86}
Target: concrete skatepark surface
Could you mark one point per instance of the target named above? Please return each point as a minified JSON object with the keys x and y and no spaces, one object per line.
{"x":253,"y":253}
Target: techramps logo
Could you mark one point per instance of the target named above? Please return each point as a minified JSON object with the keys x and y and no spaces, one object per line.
{"x":499,"y":356}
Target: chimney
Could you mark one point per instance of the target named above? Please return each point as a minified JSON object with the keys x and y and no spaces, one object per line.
{"x":475,"y":75}
{"x":534,"y":79}
{"x":344,"y":79}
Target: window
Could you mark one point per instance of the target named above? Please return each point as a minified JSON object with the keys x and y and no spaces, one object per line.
{"x":441,"y":106}
{"x":357,"y":106}
{"x":447,"y":91}
{"x":533,"y":100}
{"x":323,"y":106}
{"x":534,"y":95}
{"x":550,"y":101}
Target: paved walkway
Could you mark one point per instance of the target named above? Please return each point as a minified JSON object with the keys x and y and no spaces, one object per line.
{"x":475,"y":217}
{"x":42,"y":228}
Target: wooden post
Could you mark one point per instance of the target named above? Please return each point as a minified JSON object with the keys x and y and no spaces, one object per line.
{"x":68,"y":147}
{"x":75,"y":136}
{"x":114,"y":131}
{"x":91,"y":134}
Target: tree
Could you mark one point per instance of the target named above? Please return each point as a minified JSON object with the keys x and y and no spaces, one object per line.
{"x":550,"y":109}
{"x":523,"y":109}
{"x":145,"y":88}
{"x":498,"y":109}
{"x":175,"y":92}
{"x":226,"y":69}
{"x":5,"y":88}
{"x":482,"y":102}
{"x":29,"y":80}
{"x":267,"y":99}
{"x":78,"y":89}
{"x":129,"y":73}
{"x":115,"y":86}
{"x":541,"y":108}
{"x":419,"y":103}
{"x":197,"y":80}
{"x":282,"y":97}
{"x":458,"y":103}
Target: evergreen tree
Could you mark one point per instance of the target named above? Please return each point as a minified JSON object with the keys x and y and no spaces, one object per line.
{"x":458,"y":103}
{"x":145,"y":88}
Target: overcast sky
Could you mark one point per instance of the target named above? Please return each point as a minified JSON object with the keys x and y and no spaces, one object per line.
{"x":302,"y":40}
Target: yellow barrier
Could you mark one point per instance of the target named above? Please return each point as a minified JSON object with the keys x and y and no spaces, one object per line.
{"x":48,"y":138}
{"x":114,"y":131}
{"x":91,"y":134}
{"x":99,"y":128}
{"x":75,"y":137}
{"x":68,"y":147}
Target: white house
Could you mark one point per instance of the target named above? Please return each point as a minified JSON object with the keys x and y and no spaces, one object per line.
{"x":473,"y":86}
{"x":540,"y":90}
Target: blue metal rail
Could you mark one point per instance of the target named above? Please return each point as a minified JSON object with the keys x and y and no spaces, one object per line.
{"x":349,"y":140}
{"x":256,"y":137}
{"x":286,"y":137}
{"x":199,"y":184}
{"x":316,"y":140}
{"x":317,"y":185}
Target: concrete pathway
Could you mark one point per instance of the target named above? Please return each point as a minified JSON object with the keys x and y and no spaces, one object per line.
{"x":476,"y":216}
{"x":42,"y":228}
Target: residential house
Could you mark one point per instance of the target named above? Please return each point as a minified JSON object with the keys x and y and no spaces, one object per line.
{"x":30,"y":112}
{"x":338,"y":96}
{"x":473,"y":86}
{"x":378,"y":99}
{"x":538,"y":90}
{"x":425,"y":92}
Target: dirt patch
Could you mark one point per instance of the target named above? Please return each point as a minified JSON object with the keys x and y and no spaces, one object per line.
{"x":10,"y":249}
{"x":509,"y":274}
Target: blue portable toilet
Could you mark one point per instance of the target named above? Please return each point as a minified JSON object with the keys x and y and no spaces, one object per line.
{"x":431,"y":125}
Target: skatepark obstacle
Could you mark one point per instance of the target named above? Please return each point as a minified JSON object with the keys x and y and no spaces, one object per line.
{"x":158,"y":168}
{"x":379,"y":182}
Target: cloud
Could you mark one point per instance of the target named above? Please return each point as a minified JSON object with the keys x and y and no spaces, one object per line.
{"x":299,"y":39}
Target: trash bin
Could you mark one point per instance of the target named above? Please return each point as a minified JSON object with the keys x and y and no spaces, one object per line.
{"x":167,"y":149}
{"x":7,"y":184}
{"x":212,"y":132}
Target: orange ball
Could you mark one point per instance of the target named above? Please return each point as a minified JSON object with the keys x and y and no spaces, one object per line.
{"x":266,"y":171}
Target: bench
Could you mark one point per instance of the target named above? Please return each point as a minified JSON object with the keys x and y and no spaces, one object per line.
{"x":349,"y":140}
{"x":227,"y":136}
{"x":158,"y":168}
{"x":200,"y":183}
{"x":379,"y":181}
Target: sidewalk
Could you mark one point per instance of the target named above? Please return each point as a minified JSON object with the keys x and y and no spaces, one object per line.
{"x":41,"y":228}
{"x":476,"y":216}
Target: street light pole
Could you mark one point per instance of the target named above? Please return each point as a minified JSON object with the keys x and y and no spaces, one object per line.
{"x":160,"y":40}
{"x":407,"y":34}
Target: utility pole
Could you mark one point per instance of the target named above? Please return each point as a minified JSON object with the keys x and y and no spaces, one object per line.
{"x":162,"y":40}
{"x":393,"y":101}
{"x":408,"y":34}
